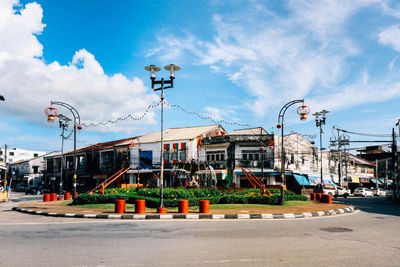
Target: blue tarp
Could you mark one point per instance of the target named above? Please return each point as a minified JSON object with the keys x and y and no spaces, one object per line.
{"x":302,"y":180}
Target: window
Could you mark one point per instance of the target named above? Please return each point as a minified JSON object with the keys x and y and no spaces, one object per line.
{"x":215,"y":155}
{"x":291,"y":158}
{"x":11,"y":153}
{"x":35,"y":155}
{"x":35,"y":169}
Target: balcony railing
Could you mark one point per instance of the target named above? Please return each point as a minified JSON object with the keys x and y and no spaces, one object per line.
{"x":254,"y":164}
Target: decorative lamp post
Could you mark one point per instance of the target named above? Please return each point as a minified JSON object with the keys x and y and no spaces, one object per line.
{"x":63,"y":123}
{"x":302,"y":111}
{"x":153,"y":69}
{"x":319,"y":122}
{"x":51,"y":113}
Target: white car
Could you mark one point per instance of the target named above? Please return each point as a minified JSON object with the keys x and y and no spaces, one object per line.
{"x":364,"y":192}
{"x":341,"y":192}
{"x":379,"y":192}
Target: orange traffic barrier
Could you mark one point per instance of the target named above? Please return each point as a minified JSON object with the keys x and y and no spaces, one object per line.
{"x":67,"y":196}
{"x":46,"y":197}
{"x":183,"y":206}
{"x":161,"y":210}
{"x":120,"y":206}
{"x":204,"y":206}
{"x":60,"y":198}
{"x":140,"y":206}
{"x":53,"y":197}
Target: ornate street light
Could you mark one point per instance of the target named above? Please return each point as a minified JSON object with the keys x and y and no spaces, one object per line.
{"x":302,"y":111}
{"x":63,"y":123}
{"x":153,"y":69}
{"x":319,"y":122}
{"x":51,"y":112}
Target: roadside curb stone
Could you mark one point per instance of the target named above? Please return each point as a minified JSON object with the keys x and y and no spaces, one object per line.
{"x":349,"y":209}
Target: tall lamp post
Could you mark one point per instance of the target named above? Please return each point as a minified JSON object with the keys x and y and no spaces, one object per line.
{"x":153,"y":69}
{"x":302,"y":111}
{"x":319,"y":122}
{"x":51,"y":113}
{"x":63,"y":123}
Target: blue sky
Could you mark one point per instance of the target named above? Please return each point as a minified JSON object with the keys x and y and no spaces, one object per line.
{"x":241,"y":62}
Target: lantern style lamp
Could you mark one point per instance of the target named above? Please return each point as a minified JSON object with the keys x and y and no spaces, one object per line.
{"x":51,"y":113}
{"x":303,"y":111}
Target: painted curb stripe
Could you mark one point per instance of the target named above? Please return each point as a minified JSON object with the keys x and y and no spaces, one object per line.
{"x":350,"y":209}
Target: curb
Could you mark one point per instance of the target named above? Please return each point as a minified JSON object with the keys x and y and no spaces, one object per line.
{"x":350,"y":209}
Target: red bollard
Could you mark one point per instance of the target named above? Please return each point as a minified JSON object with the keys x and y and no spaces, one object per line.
{"x":183,"y":206}
{"x":140,"y":206}
{"x":53,"y":197}
{"x":204,"y":206}
{"x":46,"y":197}
{"x":120,"y":206}
{"x":161,"y":210}
{"x":60,"y":198}
{"x":67,"y":196}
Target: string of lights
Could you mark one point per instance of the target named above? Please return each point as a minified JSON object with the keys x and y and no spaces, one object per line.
{"x":130,"y":116}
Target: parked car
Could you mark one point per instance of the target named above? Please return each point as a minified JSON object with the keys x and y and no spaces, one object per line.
{"x":341,"y":192}
{"x":364,"y":192}
{"x":379,"y":192}
{"x":20,"y":188}
{"x":34,"y":190}
{"x":389,"y":193}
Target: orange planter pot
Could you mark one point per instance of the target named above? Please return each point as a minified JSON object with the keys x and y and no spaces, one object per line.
{"x":67,"y":196}
{"x":120,"y":206}
{"x":140,"y":206}
{"x":46,"y":197}
{"x":53,"y":197}
{"x":161,"y":210}
{"x":60,"y":198}
{"x":183,"y":206}
{"x":204,"y":206}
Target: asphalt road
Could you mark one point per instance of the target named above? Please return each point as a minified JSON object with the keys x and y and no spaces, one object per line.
{"x":367,"y":238}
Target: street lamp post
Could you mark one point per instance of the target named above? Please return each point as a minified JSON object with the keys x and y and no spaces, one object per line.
{"x":51,"y":113}
{"x":153,"y":69}
{"x":302,"y":111}
{"x":63,"y":123}
{"x":319,"y":122}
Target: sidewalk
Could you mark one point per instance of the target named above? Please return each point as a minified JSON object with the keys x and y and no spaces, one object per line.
{"x":316,"y":209}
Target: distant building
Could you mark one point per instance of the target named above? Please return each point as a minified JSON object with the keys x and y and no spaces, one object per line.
{"x":17,"y":154}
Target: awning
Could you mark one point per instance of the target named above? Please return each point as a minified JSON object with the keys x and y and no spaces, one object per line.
{"x":374,"y":181}
{"x":301,"y":179}
{"x":355,"y":180}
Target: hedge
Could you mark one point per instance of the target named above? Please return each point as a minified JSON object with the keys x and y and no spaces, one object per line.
{"x":171,"y":196}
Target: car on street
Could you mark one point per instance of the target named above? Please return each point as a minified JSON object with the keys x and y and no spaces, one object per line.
{"x":363,"y":191}
{"x":34,"y":190}
{"x":389,"y":193}
{"x":341,"y":192}
{"x":379,"y":192}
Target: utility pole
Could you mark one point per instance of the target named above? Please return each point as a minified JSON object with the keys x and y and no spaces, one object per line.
{"x":394,"y":164}
{"x":5,"y":173}
{"x":340,"y":158}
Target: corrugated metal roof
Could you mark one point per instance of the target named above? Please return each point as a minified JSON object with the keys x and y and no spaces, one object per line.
{"x":359,"y":160}
{"x":174,"y":134}
{"x":249,"y":131}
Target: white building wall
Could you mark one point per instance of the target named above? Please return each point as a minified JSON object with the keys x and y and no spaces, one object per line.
{"x":17,"y":154}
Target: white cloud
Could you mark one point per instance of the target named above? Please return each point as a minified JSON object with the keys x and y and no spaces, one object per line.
{"x":29,"y":84}
{"x":391,"y":37}
{"x":308,"y":52}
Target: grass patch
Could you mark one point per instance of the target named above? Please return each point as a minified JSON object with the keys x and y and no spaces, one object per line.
{"x":258,"y":206}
